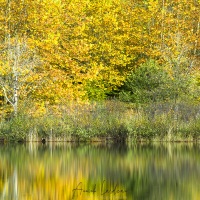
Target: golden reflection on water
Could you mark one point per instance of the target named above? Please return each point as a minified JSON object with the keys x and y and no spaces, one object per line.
{"x":60,"y":171}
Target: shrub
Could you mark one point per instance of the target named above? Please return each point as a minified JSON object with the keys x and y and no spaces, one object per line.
{"x":147,"y":83}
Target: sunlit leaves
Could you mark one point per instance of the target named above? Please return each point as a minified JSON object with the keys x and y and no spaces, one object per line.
{"x":89,"y":47}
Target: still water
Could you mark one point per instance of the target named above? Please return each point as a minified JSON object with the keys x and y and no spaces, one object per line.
{"x":100,"y":172}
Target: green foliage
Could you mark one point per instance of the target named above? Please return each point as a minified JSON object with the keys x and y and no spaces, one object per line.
{"x":151,"y":82}
{"x":108,"y":120}
{"x":163,"y":122}
{"x":16,"y":128}
{"x":147,"y":83}
{"x":94,"y":91}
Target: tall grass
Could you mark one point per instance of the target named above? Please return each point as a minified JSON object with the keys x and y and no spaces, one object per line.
{"x":103,"y":121}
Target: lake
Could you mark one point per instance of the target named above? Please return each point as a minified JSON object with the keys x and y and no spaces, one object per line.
{"x":58,"y":171}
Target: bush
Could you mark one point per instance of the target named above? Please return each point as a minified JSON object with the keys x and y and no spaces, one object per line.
{"x":147,"y":83}
{"x":16,"y":128}
{"x":150,"y":82}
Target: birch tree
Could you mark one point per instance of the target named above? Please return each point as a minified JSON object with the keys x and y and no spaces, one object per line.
{"x":17,"y":64}
{"x":17,"y":60}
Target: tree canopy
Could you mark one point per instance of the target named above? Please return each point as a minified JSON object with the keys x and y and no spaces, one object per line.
{"x":85,"y":49}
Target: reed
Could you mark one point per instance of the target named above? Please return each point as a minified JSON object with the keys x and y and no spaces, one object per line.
{"x":107,"y":121}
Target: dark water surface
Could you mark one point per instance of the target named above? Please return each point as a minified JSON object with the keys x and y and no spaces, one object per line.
{"x":72,"y":171}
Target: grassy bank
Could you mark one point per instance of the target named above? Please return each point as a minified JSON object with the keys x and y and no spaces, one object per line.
{"x":104,"y":121}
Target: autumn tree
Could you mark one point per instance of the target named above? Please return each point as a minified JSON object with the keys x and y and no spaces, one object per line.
{"x":17,"y":59}
{"x":88,"y":48}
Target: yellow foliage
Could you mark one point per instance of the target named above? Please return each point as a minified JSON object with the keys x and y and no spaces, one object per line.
{"x":99,"y":42}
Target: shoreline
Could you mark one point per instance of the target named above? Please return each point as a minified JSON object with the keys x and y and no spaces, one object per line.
{"x":105,"y":140}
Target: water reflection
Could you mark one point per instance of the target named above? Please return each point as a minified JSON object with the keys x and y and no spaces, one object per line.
{"x":72,"y":171}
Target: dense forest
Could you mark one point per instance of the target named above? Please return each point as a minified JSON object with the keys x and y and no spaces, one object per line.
{"x":57,"y":52}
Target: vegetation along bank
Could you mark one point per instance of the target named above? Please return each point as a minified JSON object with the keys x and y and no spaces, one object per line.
{"x":90,"y":70}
